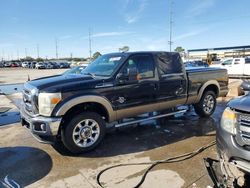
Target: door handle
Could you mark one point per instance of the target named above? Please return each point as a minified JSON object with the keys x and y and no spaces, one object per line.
{"x":155,"y":86}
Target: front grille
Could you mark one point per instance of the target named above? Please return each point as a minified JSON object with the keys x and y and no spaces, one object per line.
{"x":29,"y":99}
{"x":244,"y":127}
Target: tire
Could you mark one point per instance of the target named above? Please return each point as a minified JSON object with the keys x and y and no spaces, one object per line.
{"x":206,"y":105}
{"x":83,"y":132}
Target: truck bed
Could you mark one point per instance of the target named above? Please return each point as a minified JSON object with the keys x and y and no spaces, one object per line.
{"x":197,"y":76}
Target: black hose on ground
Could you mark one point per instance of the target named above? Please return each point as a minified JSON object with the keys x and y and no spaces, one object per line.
{"x":152,"y":164}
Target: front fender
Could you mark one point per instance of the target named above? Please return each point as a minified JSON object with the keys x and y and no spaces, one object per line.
{"x":63,"y":107}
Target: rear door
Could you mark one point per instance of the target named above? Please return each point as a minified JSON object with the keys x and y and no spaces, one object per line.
{"x":172,"y":78}
{"x":237,"y":67}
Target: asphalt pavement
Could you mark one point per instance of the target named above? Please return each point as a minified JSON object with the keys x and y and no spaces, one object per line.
{"x":32,"y":164}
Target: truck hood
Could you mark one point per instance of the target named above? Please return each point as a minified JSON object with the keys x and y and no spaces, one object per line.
{"x":62,"y":82}
{"x":241,"y":103}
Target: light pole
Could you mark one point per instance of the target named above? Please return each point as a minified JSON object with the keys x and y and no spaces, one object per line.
{"x":37,"y":49}
{"x":170,"y":42}
{"x":56,"y":43}
{"x":26,"y":52}
{"x":90,"y":45}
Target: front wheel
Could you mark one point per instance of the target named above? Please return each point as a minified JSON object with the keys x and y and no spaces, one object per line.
{"x":206,"y":105}
{"x":84,"y":132}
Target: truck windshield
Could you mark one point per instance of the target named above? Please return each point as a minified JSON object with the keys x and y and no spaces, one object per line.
{"x":104,"y":65}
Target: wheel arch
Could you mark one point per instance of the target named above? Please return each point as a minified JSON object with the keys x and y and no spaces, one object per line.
{"x":87,"y":103}
{"x":211,"y":85}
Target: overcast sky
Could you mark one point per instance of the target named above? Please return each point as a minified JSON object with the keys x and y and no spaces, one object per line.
{"x":139,"y":24}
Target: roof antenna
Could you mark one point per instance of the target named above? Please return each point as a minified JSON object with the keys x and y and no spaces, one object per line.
{"x":28,"y":78}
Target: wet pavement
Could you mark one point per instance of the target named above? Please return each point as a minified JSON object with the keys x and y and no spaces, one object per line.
{"x":32,"y":164}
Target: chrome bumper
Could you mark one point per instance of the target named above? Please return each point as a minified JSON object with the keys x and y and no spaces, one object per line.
{"x":41,"y":127}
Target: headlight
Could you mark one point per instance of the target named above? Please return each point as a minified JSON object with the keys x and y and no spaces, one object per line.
{"x":228,"y":121}
{"x":47,"y":102}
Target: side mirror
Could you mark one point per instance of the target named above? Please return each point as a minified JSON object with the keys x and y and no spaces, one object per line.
{"x":245,"y":85}
{"x":129,"y":77}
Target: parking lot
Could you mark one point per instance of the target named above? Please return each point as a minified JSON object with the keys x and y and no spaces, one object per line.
{"x":21,"y":75}
{"x":32,"y":164}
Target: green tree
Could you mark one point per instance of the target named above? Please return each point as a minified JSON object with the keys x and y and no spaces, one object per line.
{"x":96,"y":55}
{"x":124,"y":49}
{"x":39,"y":59}
{"x":179,"y":49}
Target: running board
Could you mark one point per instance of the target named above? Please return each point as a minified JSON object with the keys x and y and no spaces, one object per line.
{"x":149,"y":118}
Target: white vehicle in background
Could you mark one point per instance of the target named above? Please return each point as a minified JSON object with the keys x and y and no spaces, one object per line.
{"x":236,"y":66}
{"x":25,"y":65}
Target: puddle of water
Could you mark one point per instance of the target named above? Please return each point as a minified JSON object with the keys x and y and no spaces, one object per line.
{"x":11,"y":89}
{"x":9,"y":118}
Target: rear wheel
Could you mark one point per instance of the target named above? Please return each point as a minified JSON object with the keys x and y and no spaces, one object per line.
{"x":84,"y":132}
{"x":206,"y":105}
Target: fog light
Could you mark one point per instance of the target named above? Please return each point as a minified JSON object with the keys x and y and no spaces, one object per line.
{"x":39,"y":126}
{"x":43,"y":127}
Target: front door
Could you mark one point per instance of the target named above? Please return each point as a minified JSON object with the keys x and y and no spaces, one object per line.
{"x":133,"y":95}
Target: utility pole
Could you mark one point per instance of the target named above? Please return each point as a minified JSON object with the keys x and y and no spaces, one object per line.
{"x":37,"y":49}
{"x":25,"y":52}
{"x":90,"y":50}
{"x":170,"y":42}
{"x":3,"y":58}
{"x":17,"y":54}
{"x":56,"y":48}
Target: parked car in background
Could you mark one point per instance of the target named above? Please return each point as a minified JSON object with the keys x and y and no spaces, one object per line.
{"x":75,"y":70}
{"x":236,"y":66}
{"x":25,"y":64}
{"x":233,"y":140}
{"x":32,"y":65}
{"x":7,"y":64}
{"x":196,"y":64}
{"x":14,"y":64}
{"x":1,"y":64}
{"x":40,"y":65}
{"x":63,"y":65}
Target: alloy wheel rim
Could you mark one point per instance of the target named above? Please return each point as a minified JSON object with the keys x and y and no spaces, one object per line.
{"x":86,"y":133}
{"x":208,"y":104}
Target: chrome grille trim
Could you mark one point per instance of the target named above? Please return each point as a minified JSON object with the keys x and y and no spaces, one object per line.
{"x":244,"y":127}
{"x":29,"y":94}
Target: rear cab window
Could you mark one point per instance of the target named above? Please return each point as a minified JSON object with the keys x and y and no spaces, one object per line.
{"x":169,"y":63}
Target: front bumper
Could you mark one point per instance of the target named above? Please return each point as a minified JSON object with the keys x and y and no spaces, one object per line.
{"x":44,"y":129}
{"x":230,"y":151}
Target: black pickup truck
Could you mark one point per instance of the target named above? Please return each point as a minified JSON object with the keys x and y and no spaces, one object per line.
{"x":77,"y":109}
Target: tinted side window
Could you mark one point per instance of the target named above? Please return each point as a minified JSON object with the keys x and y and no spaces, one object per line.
{"x":169,"y":63}
{"x":227,"y":62}
{"x":247,"y":61}
{"x":144,"y":65}
{"x":237,"y":61}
